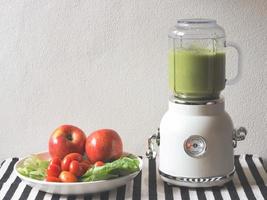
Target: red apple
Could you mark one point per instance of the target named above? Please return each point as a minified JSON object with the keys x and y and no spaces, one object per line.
{"x":66,"y":139}
{"x":103,"y":145}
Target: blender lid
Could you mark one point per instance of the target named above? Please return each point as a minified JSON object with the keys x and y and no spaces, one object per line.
{"x":198,"y":28}
{"x":186,"y":22}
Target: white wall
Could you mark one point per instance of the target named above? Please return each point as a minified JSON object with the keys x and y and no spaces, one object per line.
{"x":100,"y":64}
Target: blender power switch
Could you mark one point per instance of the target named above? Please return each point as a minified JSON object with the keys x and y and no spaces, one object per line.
{"x":195,"y":146}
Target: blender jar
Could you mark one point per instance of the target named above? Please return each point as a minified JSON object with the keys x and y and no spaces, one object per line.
{"x":197,"y":59}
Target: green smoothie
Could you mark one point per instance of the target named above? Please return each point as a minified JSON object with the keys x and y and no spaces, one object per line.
{"x":196,"y":74}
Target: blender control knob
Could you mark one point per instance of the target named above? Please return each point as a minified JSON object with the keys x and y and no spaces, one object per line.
{"x":195,"y":146}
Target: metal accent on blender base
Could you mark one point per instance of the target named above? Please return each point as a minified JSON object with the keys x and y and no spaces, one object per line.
{"x":198,"y":180}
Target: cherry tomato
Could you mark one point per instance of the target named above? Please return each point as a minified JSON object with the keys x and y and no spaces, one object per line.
{"x":75,"y":168}
{"x":67,"y":177}
{"x":75,"y":156}
{"x":65,"y":164}
{"x":83,"y":168}
{"x":53,"y":170}
{"x":55,"y":161}
{"x":52,"y":179}
{"x":85,"y":165}
{"x":82,"y":171}
{"x":87,"y":161}
{"x":99,"y":163}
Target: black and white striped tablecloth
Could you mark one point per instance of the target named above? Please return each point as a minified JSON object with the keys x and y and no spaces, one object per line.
{"x":249,"y":183}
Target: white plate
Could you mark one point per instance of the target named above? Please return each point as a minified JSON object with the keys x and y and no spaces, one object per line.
{"x":74,"y":188}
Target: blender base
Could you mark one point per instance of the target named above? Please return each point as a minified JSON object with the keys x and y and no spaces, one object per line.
{"x":197,"y":182}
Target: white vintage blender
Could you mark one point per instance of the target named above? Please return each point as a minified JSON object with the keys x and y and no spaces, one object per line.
{"x":196,"y":135}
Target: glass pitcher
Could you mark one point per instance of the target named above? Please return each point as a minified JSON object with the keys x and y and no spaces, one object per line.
{"x":197,"y":59}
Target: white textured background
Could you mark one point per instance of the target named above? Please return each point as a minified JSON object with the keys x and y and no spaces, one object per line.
{"x":100,"y":64}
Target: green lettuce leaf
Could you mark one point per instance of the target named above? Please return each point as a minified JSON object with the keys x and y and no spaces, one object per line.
{"x":121,"y":167}
{"x":34,"y":168}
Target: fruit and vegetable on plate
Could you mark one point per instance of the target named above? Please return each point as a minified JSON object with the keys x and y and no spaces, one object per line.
{"x":75,"y":157}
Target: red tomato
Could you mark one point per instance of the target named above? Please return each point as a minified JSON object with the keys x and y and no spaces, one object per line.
{"x":76,"y":168}
{"x":99,"y":163}
{"x":55,"y":161}
{"x":65,"y":164}
{"x":52,"y":179}
{"x":75,"y":156}
{"x":85,"y":165}
{"x":67,"y":177}
{"x":87,"y":161}
{"x":53,"y":170}
{"x":104,"y":145}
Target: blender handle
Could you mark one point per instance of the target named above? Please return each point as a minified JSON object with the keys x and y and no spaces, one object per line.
{"x":239,"y":135}
{"x":152,"y":140}
{"x":239,"y":63}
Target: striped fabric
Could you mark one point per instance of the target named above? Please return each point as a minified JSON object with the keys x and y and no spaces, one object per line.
{"x":249,"y":183}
